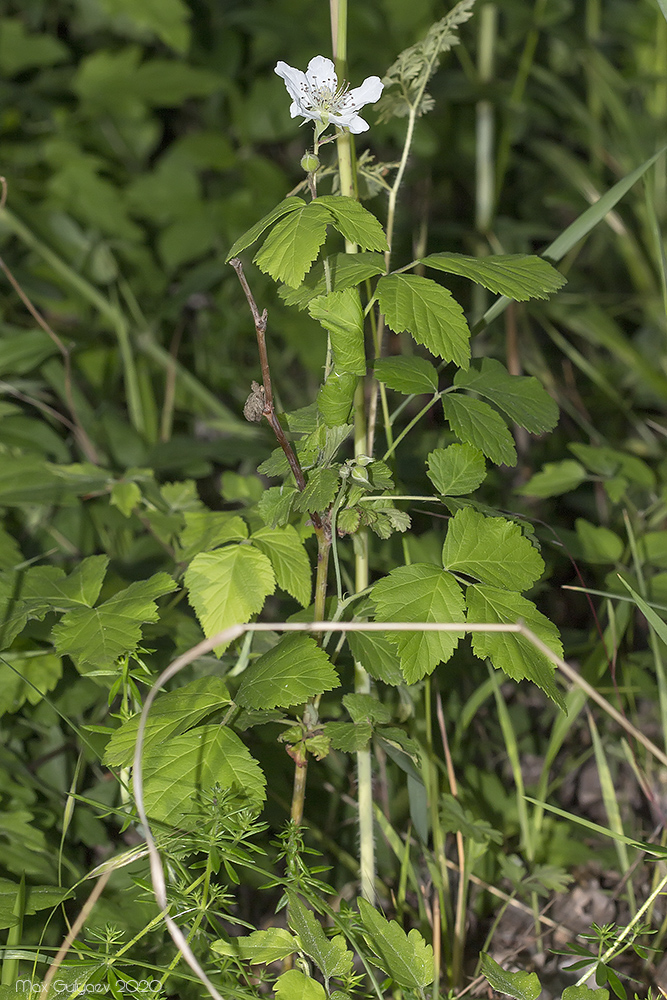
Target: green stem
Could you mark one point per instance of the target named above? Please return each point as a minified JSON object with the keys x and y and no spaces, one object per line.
{"x":362,"y":684}
{"x":310,"y":712}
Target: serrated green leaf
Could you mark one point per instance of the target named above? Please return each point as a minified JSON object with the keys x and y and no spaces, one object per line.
{"x":228,"y":586}
{"x":492,"y":550}
{"x":286,"y":206}
{"x":275,"y":505}
{"x":341,"y":315}
{"x":522,"y":397}
{"x":294,"y":985}
{"x":520,"y":985}
{"x":49,"y":584}
{"x":420,"y":593}
{"x":289,"y":559}
{"x":260,"y":947}
{"x":320,"y":491}
{"x":207,"y":529}
{"x":584,"y":993}
{"x":376,"y":655}
{"x":334,"y":400}
{"x":330,"y":955}
{"x":355,"y":222}
{"x":178,"y":774}
{"x":364,"y":707}
{"x":518,"y":276}
{"x":293,"y":244}
{"x":510,"y":651}
{"x":172,"y":714}
{"x":478,"y":424}
{"x":456,"y":470}
{"x":554,"y":478}
{"x":407,"y":958}
{"x":407,"y":375}
{"x":428,"y":312}
{"x":293,"y":671}
{"x":348,"y":737}
{"x":348,"y":520}
{"x":95,"y":637}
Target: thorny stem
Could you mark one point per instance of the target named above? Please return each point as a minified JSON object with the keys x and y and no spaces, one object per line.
{"x":321,"y":524}
{"x":268,"y":411}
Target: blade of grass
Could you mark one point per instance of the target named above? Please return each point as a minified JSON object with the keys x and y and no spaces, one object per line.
{"x":611,"y":806}
{"x":653,"y":849}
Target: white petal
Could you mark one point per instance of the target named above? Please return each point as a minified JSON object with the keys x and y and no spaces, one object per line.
{"x":321,"y":71}
{"x":351,"y":121}
{"x":295,"y":81}
{"x":368,"y":93}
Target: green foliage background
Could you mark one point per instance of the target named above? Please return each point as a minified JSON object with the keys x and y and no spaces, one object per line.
{"x":139,"y":140}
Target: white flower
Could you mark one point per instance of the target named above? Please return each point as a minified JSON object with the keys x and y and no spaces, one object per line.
{"x":316,"y":95}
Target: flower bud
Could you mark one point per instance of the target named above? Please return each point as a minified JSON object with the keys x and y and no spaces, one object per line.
{"x":309,"y":163}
